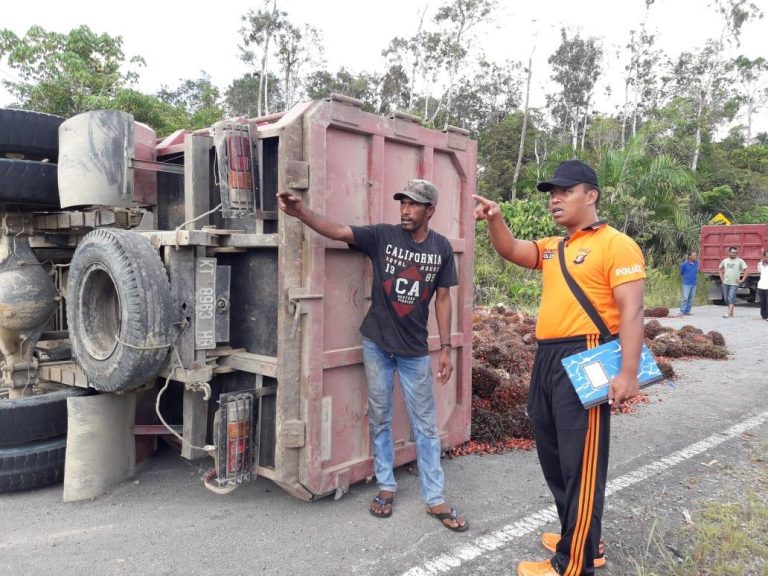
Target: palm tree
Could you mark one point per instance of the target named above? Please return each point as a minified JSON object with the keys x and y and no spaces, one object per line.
{"x":648,"y":196}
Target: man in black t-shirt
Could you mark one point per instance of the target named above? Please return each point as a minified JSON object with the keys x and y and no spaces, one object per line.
{"x":411,"y":264}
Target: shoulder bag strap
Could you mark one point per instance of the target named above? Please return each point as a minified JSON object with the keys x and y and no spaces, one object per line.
{"x":580,"y":296}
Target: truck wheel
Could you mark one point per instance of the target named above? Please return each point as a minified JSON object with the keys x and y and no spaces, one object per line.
{"x":28,"y":183}
{"x":38,"y":417}
{"x":32,"y":465}
{"x":33,"y":135}
{"x":118,"y":309}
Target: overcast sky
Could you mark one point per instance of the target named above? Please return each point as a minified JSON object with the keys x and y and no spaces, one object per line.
{"x":178,"y":39}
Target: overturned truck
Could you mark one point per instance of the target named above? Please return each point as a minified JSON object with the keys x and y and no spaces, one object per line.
{"x":151,"y":288}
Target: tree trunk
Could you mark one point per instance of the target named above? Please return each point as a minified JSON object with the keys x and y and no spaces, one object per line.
{"x":574,"y":134}
{"x":624,"y":115}
{"x":513,"y":191}
{"x":634,"y":121}
{"x":416,"y":60}
{"x":586,"y":122}
{"x":697,"y":147}
{"x":261,"y":104}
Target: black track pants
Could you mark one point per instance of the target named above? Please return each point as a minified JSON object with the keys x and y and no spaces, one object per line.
{"x":573,"y":445}
{"x":763,"y":296}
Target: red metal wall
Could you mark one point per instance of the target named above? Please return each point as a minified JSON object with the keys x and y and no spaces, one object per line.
{"x":357,"y":161}
{"x":751,"y":239}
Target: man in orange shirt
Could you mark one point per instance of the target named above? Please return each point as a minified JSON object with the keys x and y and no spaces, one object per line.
{"x":572,"y":443}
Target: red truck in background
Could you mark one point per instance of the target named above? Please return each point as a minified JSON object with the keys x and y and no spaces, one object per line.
{"x":750,"y":239}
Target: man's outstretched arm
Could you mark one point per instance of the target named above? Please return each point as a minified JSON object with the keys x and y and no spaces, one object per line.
{"x":294,"y":206}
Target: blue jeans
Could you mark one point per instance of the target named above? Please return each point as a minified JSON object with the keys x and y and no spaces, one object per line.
{"x":689,"y":291}
{"x":417,"y":386}
{"x":729,"y":293}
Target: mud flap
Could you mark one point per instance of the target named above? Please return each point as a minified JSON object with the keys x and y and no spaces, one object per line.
{"x":100,"y":444}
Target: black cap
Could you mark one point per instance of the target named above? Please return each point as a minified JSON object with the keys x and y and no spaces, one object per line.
{"x":569,"y":173}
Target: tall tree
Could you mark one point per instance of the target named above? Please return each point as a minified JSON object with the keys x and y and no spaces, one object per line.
{"x":484,"y":97}
{"x":296,"y":49}
{"x":362,"y":86}
{"x":69,"y":73}
{"x":458,"y":19}
{"x":752,"y":76}
{"x":199,"y":99}
{"x":647,"y":196}
{"x":641,"y":89}
{"x":261,"y":27}
{"x":409,"y":54}
{"x":437,"y":58}
{"x":241,"y":96}
{"x":576,"y":67}
{"x":712,"y":68}
{"x":528,"y":76}
{"x":394,"y":91}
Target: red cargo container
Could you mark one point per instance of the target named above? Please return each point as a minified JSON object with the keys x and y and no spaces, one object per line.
{"x":750,"y":239}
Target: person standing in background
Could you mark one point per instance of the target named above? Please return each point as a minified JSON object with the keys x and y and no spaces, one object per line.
{"x":762,"y":285}
{"x":689,"y":270}
{"x":732,"y":270}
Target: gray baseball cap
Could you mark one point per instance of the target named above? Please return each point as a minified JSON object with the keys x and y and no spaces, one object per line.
{"x":421,"y":191}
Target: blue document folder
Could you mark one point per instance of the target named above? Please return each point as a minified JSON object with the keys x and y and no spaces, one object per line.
{"x":591,"y":371}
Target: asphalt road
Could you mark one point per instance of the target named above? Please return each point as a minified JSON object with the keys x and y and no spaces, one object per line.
{"x":698,"y":439}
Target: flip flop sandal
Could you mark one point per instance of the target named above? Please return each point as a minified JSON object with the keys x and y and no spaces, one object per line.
{"x":382,"y":502}
{"x":452,"y":515}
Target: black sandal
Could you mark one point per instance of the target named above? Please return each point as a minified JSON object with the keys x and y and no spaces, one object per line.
{"x":382,"y":502}
{"x":452,"y":515}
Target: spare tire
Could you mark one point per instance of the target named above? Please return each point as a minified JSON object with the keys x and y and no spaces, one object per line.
{"x":28,"y":183}
{"x":32,"y":465}
{"x":34,"y":135}
{"x":119,"y":309}
{"x":36,"y":417}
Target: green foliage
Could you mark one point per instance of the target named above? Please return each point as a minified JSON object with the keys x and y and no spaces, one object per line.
{"x":730,"y":538}
{"x":321,"y":83}
{"x":648,"y":197}
{"x":498,"y":281}
{"x":753,"y":158}
{"x":714,"y":200}
{"x":196,"y":100}
{"x":241,"y":96}
{"x":162,"y":117}
{"x":65,"y":74}
{"x":498,"y":147}
{"x":663,"y":287}
{"x":759,"y":215}
{"x":529,"y":219}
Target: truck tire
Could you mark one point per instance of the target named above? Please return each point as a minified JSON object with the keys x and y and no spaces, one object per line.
{"x":119,"y":309}
{"x":32,"y":418}
{"x":34,"y":135}
{"x":32,"y":465}
{"x":28,"y":183}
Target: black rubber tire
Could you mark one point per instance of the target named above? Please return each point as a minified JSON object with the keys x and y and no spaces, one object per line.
{"x":119,"y":309}
{"x":33,"y":134}
{"x":28,"y":183}
{"x":33,"y":418}
{"x":32,"y":465}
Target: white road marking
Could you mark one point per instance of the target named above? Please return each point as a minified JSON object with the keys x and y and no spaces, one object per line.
{"x":452,"y":560}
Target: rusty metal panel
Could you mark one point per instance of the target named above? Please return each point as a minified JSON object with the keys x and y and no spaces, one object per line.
{"x":356,"y":162}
